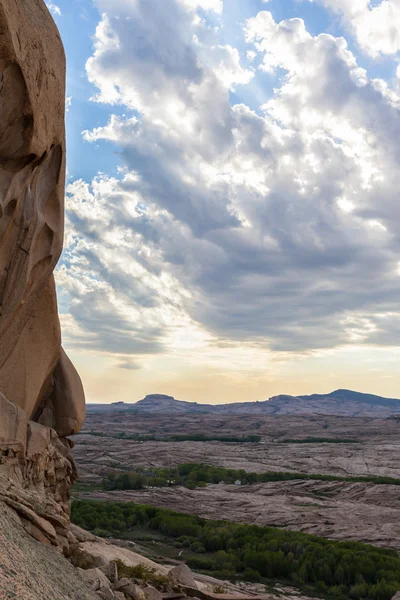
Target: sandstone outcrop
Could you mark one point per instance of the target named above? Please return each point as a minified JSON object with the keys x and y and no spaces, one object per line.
{"x":41,"y":395}
{"x":34,"y":571}
{"x":183,"y":575}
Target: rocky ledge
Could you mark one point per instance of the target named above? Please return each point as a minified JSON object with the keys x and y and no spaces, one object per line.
{"x":94,"y":569}
{"x":36,"y":474}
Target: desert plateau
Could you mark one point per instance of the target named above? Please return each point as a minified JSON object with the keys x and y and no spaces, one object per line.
{"x":353,"y":451}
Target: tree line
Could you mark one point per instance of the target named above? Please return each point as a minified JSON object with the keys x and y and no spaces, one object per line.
{"x":319,"y":440}
{"x":333,"y":569}
{"x":192,"y":475}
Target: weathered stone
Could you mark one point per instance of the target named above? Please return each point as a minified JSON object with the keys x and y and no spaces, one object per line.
{"x":106,"y":553}
{"x":106,"y":594}
{"x":29,"y":515}
{"x":111,"y":571}
{"x":68,"y":398}
{"x":41,"y":395}
{"x":134,"y":592}
{"x":32,"y":181}
{"x":38,"y":440}
{"x":94,"y":578}
{"x":34,"y":571}
{"x":130,"y":589}
{"x":183,"y":575}
{"x":122,"y":583}
{"x":13,"y":423}
{"x":119,"y":596}
{"x":35,"y":532}
{"x":151,"y":593}
{"x":62,"y":544}
{"x":82,"y":535}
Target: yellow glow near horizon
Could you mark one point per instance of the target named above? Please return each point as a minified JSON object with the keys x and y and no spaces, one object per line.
{"x":365,"y":369}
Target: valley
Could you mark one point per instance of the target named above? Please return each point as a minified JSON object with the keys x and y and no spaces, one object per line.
{"x":360,"y":448}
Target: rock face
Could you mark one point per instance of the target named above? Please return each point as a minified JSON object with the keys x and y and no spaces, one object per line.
{"x":182,"y":574}
{"x":41,"y":395}
{"x":33,"y":571}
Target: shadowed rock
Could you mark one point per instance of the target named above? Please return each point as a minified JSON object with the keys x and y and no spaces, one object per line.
{"x":32,"y":176}
{"x":41,"y":395}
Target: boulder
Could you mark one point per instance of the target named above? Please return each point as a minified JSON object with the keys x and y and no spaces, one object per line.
{"x":106,"y":594}
{"x":130,"y":589}
{"x":111,"y":572}
{"x":81,"y":534}
{"x":122,"y":583}
{"x":151,"y":593}
{"x":68,"y":398}
{"x":182,"y":575}
{"x":94,"y":578}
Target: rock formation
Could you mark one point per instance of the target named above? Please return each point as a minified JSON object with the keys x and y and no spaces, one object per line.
{"x":41,"y":395}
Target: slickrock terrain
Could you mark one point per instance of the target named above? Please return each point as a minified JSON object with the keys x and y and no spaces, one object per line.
{"x":30,"y":570}
{"x":346,"y":510}
{"x":342,"y":511}
{"x":101,"y":446}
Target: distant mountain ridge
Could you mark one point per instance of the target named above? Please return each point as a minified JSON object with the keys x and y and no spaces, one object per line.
{"x":340,"y":403}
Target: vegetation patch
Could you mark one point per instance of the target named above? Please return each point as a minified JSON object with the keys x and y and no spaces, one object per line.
{"x":317,"y":440}
{"x":144,"y":573}
{"x":192,"y":475}
{"x":333,"y":569}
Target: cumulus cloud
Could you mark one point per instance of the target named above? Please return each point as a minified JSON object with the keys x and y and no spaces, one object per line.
{"x":278,"y":229}
{"x":376,"y":27}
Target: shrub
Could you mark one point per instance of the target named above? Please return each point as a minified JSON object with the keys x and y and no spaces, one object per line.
{"x":144,"y":573}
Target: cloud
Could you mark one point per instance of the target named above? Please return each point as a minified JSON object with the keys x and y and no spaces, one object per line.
{"x":129,"y":366}
{"x":377,"y":28}
{"x":208,"y":5}
{"x":277,"y":228}
{"x":54,"y":9}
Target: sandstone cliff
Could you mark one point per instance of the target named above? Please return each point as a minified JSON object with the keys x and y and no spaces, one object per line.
{"x":41,"y":395}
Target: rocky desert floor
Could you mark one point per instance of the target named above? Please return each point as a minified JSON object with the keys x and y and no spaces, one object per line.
{"x":335,"y":509}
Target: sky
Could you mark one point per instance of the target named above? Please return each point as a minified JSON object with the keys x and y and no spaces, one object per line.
{"x":232,"y":201}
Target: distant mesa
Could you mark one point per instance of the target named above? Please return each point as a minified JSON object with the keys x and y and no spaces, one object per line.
{"x":157,"y":398}
{"x":162,"y":403}
{"x":342,"y":403}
